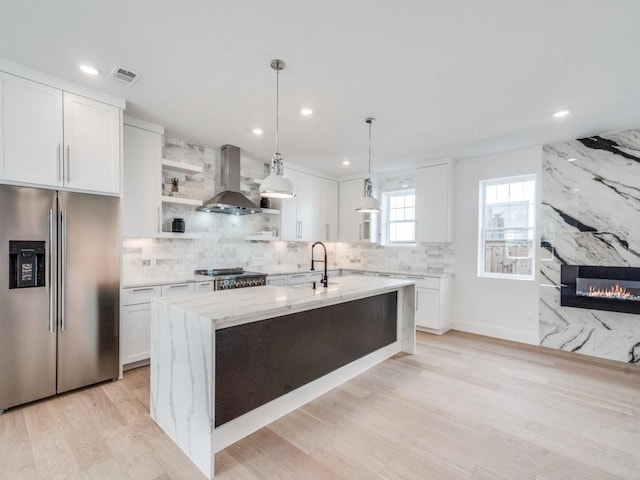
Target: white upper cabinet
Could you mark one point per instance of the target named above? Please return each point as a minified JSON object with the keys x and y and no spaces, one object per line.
{"x":327,"y":210}
{"x":30,"y":132}
{"x":289,"y":227}
{"x":312,"y":214}
{"x":354,"y":226}
{"x":92,"y":145}
{"x":434,"y":201}
{"x":57,"y":139}
{"x":142,"y":155}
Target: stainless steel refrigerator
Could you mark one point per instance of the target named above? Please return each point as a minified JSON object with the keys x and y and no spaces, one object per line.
{"x":59,"y":292}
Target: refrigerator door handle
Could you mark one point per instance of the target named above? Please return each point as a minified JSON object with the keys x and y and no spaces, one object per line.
{"x":63,"y":269}
{"x":52,"y":276}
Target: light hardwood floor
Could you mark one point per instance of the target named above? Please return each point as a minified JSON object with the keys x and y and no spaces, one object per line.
{"x":464,"y":407}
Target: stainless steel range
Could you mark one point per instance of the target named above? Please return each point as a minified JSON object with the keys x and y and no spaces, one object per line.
{"x":228,"y":278}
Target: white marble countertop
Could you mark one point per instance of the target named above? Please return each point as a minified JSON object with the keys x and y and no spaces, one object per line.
{"x":402,"y":272}
{"x":291,"y":271}
{"x":165,"y":280}
{"x":234,"y":307}
{"x":169,"y":279}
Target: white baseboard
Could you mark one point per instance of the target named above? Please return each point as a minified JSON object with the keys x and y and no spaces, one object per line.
{"x":490,"y":331}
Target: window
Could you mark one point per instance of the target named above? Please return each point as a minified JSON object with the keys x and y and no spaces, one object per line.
{"x":399,"y":211}
{"x":507,"y":227}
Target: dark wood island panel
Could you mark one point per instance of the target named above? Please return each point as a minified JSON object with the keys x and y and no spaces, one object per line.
{"x":261,"y":361}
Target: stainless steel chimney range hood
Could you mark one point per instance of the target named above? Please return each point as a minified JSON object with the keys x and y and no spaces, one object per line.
{"x":230,"y":200}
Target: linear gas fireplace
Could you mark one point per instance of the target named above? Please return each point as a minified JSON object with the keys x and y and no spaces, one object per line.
{"x":616,"y":289}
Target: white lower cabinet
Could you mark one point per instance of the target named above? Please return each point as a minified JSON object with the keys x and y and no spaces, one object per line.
{"x":433,"y":303}
{"x":135,"y":333}
{"x":136,"y":323}
{"x":278,"y":280}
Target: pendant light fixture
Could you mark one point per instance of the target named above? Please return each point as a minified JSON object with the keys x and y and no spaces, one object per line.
{"x":277,"y":185}
{"x":368,"y":203}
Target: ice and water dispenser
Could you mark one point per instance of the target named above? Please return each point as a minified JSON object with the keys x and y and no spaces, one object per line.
{"x":26,"y":264}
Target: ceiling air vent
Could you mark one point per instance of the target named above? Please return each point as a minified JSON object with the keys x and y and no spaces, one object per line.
{"x":125,"y":76}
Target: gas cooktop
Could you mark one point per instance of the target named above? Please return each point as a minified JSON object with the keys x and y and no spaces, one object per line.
{"x":227,"y":278}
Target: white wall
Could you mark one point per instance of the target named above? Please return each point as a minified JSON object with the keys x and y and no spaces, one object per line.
{"x":489,"y":306}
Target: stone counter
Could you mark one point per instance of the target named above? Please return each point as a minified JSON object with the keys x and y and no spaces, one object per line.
{"x":289,"y":344}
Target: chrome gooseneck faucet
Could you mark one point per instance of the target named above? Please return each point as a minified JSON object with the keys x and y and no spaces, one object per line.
{"x":325,"y":280}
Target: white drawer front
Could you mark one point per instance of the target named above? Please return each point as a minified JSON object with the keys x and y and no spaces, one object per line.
{"x":177,"y":289}
{"x":136,"y":295}
{"x":203,"y":287}
{"x":385,"y":275}
{"x":423,"y":282}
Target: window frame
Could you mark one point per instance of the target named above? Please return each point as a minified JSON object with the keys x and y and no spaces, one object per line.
{"x":483,"y":229}
{"x":386,"y":217}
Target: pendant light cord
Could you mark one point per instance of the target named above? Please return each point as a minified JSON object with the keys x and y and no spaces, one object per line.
{"x":370,"y":148}
{"x":277,"y":107}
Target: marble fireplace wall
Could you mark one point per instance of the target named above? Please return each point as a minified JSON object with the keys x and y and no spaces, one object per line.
{"x":590,"y":215}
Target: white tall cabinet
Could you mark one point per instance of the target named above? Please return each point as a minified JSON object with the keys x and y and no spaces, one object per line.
{"x":312,"y":215}
{"x":142,"y":155}
{"x":53,"y":138}
{"x":434,"y":201}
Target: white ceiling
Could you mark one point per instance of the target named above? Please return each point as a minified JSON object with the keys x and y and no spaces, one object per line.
{"x":455,"y":78}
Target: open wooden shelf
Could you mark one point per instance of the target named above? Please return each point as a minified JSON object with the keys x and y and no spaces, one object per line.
{"x":181,"y":201}
{"x":181,"y":167}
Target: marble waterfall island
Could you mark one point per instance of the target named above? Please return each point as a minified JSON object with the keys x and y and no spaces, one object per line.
{"x":225,"y":364}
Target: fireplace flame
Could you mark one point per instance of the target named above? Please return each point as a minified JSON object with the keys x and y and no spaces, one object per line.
{"x":614,"y":292}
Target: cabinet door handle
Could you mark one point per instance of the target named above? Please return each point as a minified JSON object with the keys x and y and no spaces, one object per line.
{"x":146,"y":289}
{"x":68,"y":169}
{"x":360,"y":231}
{"x":184,"y":285}
{"x":159,"y":220}
{"x":59,"y":164}
{"x":299,"y":229}
{"x":327,"y":231}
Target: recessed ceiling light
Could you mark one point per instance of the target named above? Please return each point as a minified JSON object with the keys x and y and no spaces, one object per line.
{"x":576,"y":189}
{"x":257,"y":131}
{"x":571,"y":159}
{"x":346,"y":162}
{"x":306,"y":111}
{"x":404,"y":185}
{"x":88,"y":69}
{"x":561,"y":113}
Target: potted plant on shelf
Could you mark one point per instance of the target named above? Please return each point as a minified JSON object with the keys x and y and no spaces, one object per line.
{"x":174,"y":186}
